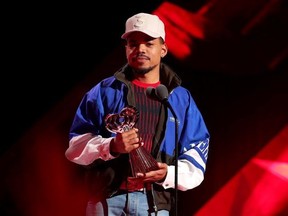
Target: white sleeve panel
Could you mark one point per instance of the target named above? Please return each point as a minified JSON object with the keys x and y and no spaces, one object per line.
{"x":190,"y":175}
{"x":86,"y":148}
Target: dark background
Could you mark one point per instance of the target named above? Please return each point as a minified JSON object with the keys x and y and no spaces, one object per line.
{"x":52,"y":47}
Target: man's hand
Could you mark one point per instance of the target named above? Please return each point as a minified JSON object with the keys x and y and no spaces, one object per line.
{"x":125,"y":142}
{"x":155,"y":176}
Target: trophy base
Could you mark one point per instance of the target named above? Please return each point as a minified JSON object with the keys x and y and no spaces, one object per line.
{"x":141,"y":161}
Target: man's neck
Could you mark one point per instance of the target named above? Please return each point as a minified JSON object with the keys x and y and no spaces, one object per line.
{"x":150,"y":77}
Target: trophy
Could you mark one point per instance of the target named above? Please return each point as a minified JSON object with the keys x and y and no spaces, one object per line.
{"x":141,"y":161}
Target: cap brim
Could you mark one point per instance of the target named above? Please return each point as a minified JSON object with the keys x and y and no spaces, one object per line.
{"x":151,"y":34}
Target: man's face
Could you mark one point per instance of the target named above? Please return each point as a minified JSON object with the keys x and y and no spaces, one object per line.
{"x":143,"y":52}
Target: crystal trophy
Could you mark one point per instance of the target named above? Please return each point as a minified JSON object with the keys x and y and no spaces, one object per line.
{"x":141,"y":161}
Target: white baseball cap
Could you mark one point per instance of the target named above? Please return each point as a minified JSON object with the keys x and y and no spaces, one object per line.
{"x":147,"y":23}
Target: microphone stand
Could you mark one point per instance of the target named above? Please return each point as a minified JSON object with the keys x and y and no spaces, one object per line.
{"x":161,"y":93}
{"x":176,"y":155}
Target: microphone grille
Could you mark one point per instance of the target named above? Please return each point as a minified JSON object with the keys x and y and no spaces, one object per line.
{"x":162,"y":92}
{"x":149,"y":91}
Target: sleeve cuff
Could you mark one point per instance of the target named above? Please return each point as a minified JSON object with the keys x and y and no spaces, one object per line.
{"x":169,"y":181}
{"x":105,"y":154}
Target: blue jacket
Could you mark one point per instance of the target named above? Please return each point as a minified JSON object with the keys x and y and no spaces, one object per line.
{"x":114,"y":93}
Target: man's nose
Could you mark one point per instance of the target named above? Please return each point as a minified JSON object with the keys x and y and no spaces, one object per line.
{"x":141,"y":47}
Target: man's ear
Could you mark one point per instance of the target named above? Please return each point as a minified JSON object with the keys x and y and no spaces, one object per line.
{"x":164,"y":50}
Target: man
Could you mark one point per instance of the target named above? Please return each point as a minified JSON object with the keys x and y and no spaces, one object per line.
{"x":113,"y":189}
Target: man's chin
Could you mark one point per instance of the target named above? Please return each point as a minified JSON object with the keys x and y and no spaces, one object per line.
{"x":143,"y":70}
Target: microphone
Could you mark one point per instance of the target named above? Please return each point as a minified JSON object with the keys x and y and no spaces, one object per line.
{"x":160,"y":93}
{"x":150,"y":93}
